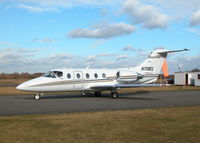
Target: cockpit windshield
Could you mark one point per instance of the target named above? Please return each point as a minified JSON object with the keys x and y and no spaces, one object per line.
{"x":58,"y":73}
{"x":49,"y":74}
{"x":53,"y":74}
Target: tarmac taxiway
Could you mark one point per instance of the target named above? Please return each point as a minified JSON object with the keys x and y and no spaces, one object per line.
{"x":50,"y":104}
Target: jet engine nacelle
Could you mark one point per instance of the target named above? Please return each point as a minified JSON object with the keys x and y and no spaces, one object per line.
{"x":128,"y":77}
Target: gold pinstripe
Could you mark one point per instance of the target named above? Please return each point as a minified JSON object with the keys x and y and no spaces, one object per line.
{"x":71,"y":82}
{"x":67,"y":82}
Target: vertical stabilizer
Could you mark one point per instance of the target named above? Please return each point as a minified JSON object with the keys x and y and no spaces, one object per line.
{"x":165,"y":69}
{"x":153,"y":64}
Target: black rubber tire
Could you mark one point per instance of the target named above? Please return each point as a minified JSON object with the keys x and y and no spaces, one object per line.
{"x":114,"y":95}
{"x":37,"y":97}
{"x":97,"y":93}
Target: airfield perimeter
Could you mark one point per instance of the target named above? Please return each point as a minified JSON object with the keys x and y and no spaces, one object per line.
{"x":25,"y":104}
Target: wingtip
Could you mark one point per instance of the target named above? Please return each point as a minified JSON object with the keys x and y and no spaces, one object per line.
{"x":186,"y":49}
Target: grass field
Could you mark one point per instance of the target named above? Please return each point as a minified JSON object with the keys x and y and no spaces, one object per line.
{"x":12,"y":81}
{"x":164,"y":125}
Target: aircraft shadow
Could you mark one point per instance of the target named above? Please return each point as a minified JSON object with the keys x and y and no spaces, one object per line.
{"x":134,"y":93}
{"x":126,"y":95}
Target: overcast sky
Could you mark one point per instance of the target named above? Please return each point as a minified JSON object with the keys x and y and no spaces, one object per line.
{"x":38,"y":35}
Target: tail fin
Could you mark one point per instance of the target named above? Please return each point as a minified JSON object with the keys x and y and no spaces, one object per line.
{"x":165,"y":69}
{"x":153,"y":64}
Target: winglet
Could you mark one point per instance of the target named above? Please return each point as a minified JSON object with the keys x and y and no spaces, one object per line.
{"x":88,"y":66}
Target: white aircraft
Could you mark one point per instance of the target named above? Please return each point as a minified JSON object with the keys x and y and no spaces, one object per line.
{"x":98,"y":80}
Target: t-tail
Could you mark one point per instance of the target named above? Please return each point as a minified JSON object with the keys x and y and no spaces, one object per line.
{"x":153,"y":64}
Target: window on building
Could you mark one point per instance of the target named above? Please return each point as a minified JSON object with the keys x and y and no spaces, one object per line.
{"x":87,"y":75}
{"x":96,"y":75}
{"x":69,"y":75}
{"x":198,"y":76}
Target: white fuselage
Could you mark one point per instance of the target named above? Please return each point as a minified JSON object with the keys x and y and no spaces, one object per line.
{"x":97,"y":80}
{"x":84,"y":79}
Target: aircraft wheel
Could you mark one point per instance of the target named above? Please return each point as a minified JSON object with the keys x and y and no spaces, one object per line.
{"x":37,"y":96}
{"x":114,"y":95}
{"x":97,"y":93}
{"x":83,"y":93}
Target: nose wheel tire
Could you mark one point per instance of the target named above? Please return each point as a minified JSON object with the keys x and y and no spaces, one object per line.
{"x":114,"y":95}
{"x":37,"y":96}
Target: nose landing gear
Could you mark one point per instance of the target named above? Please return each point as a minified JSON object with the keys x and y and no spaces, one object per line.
{"x":37,"y":96}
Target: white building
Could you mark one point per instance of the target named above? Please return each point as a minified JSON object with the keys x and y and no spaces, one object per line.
{"x":187,"y":78}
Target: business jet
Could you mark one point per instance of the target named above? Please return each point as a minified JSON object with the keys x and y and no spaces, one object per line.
{"x":98,"y":80}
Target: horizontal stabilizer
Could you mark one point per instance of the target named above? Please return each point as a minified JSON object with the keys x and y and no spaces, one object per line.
{"x":163,"y":52}
{"x":172,"y":51}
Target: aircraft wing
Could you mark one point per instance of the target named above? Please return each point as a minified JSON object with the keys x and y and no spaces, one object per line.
{"x":117,"y":86}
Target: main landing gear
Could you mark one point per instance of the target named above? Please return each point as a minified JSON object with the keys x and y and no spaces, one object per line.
{"x":37,"y":96}
{"x":114,"y":94}
{"x":83,"y":93}
{"x":97,"y":93}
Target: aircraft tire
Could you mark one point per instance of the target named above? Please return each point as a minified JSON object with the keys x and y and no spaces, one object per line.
{"x":37,"y":96}
{"x":114,"y":95}
{"x":83,"y":93}
{"x":97,"y":93}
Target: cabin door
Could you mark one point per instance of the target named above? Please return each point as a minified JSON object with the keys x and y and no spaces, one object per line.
{"x":186,"y":79}
{"x":78,"y":77}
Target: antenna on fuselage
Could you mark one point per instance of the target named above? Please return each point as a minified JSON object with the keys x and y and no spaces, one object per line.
{"x":88,"y":66}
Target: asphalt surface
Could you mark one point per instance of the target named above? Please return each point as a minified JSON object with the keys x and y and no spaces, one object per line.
{"x":25,"y":104}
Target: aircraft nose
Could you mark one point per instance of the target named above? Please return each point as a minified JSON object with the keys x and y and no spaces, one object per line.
{"x":21,"y":86}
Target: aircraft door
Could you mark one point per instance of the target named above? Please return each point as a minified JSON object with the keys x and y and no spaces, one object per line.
{"x":78,"y":77}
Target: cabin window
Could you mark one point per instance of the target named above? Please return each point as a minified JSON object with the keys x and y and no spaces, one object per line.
{"x":104,"y":75}
{"x":87,"y":75}
{"x":96,"y":75}
{"x":68,"y":75}
{"x":78,"y":75}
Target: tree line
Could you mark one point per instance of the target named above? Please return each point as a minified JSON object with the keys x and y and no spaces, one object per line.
{"x":34,"y":75}
{"x":19,"y":75}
